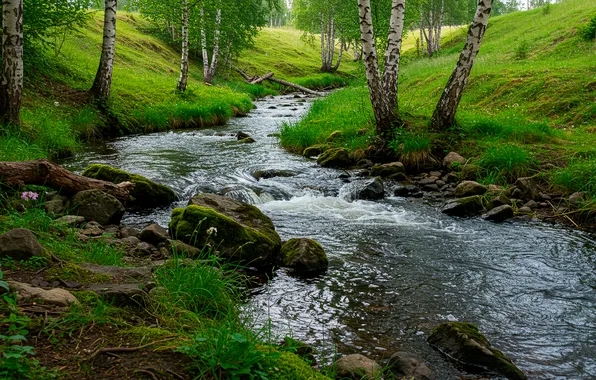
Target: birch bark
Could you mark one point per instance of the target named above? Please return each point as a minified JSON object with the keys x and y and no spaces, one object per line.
{"x":444,"y":114}
{"x":182,"y":82}
{"x":11,"y":83}
{"x":215,"y":56}
{"x":103,"y":78}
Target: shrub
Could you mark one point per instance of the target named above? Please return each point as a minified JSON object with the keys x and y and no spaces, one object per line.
{"x":588,"y":31}
{"x":522,"y":50}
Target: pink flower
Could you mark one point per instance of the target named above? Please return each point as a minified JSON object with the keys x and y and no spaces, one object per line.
{"x":25,"y":196}
{"x":29,"y":195}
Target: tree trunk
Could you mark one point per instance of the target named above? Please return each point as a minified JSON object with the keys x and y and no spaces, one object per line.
{"x":103,"y":79}
{"x":215,"y":56}
{"x":45,"y":173}
{"x":393,"y":53}
{"x":323,"y":50}
{"x":204,"y":46}
{"x":341,"y":51}
{"x":331,"y":43}
{"x":444,"y":115}
{"x":440,"y":28}
{"x":260,"y":79}
{"x":421,"y":33}
{"x":182,"y":82}
{"x":429,"y":42}
{"x":11,"y":83}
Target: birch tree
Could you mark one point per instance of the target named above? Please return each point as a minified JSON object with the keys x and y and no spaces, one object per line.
{"x":11,"y":83}
{"x":444,"y":114}
{"x":383,"y":88}
{"x":103,"y":79}
{"x":183,"y":81}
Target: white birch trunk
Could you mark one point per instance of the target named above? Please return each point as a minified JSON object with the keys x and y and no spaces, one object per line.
{"x":182,"y":82}
{"x":103,"y":78}
{"x":11,"y":83}
{"x":444,"y":115}
{"x":331,"y":43}
{"x":393,"y":52}
{"x":341,"y":51}
{"x":215,"y":56}
{"x":440,"y":28}
{"x":421,"y":33}
{"x":323,"y":50}
{"x":204,"y":45}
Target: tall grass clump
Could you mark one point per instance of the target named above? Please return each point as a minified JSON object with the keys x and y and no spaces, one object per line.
{"x":348,"y":111}
{"x":588,"y":31}
{"x":414,"y":149}
{"x":508,"y":161}
{"x":577,"y":176}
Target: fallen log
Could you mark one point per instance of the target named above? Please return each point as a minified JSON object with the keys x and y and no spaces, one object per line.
{"x":264,"y":77}
{"x":269,"y":77}
{"x":45,"y":173}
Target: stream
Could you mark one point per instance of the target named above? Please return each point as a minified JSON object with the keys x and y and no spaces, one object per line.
{"x":398,"y":267}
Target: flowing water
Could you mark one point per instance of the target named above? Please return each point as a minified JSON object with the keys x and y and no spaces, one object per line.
{"x":398,"y":267}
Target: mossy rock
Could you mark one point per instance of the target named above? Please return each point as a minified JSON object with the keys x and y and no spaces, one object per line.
{"x":146,"y":193}
{"x":73,"y":272}
{"x":315,"y":150}
{"x":463,"y":342}
{"x":244,"y":234}
{"x":468,"y":206}
{"x":335,"y":158}
{"x":291,"y":367}
{"x":303,"y":255}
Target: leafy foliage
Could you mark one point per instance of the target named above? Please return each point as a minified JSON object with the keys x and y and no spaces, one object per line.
{"x":588,"y":31}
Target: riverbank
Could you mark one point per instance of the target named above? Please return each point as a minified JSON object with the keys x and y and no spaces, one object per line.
{"x":528,"y":110}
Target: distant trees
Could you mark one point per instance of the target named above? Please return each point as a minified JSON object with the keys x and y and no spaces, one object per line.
{"x":11,"y":81}
{"x":444,"y":114}
{"x":103,"y":79}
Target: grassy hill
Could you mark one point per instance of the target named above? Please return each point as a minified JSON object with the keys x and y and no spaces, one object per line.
{"x":529,"y":107}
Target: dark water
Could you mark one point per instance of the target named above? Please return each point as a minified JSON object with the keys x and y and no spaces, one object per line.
{"x":398,"y":267}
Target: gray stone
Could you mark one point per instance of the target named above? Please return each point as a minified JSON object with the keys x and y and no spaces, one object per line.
{"x":576,"y":199}
{"x":154,"y":234}
{"x":524,"y":210}
{"x":357,"y":367}
{"x":431,"y":187}
{"x":469,"y":188}
{"x":531,"y":204}
{"x":409,"y":366}
{"x":453,"y":158}
{"x":92,"y":229}
{"x":59,"y":297}
{"x":120,"y":274}
{"x":335,"y":158}
{"x":272,"y":173}
{"x":463,"y":342}
{"x":19,"y":244}
{"x":387,"y":170}
{"x":427,"y":181}
{"x":500,"y":201}
{"x":119,"y":294}
{"x":95,"y":205}
{"x":71,"y":220}
{"x":303,"y":255}
{"x":179,"y":248}
{"x":129,"y":231}
{"x":55,"y":207}
{"x":369,"y":189}
{"x":528,"y":188}
{"x":468,"y":206}
{"x":499,"y":213}
{"x":451,"y":177}
{"x":144,"y":249}
{"x":406,"y":191}
{"x":128,"y":243}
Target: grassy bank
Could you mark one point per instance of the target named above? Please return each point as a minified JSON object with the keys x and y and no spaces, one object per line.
{"x":189,"y":327}
{"x":529,"y":107}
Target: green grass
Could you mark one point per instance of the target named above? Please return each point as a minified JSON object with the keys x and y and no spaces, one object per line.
{"x":348,"y":110}
{"x":508,"y":161}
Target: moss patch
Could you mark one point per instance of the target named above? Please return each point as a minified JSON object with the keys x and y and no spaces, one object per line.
{"x":73,"y":272}
{"x":146,"y":193}
{"x":292,"y":367}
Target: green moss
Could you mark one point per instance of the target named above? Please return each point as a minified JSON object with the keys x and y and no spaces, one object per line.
{"x":303,"y":254}
{"x":73,"y":272}
{"x":335,"y":158}
{"x":315,"y":150}
{"x":232,"y":239}
{"x":292,"y":367}
{"x":143,"y":335}
{"x":87,"y":297}
{"x":146,"y":192}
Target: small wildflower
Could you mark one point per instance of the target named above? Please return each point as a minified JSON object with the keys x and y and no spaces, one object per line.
{"x":212,"y":231}
{"x":29,"y":195}
{"x":57,"y":104}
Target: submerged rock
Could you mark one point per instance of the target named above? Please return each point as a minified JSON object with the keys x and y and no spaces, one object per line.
{"x":409,"y":366}
{"x":146,"y":193}
{"x":97,"y":206}
{"x":239,"y":231}
{"x":335,"y":158}
{"x":408,"y":191}
{"x":272,"y":173}
{"x":19,"y":244}
{"x":248,"y":140}
{"x":468,"y":206}
{"x":357,"y":367}
{"x":369,"y":189}
{"x":463,"y":342}
{"x":499,"y":214}
{"x":303,"y":255}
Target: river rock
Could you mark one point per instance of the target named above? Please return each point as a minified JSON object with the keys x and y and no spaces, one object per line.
{"x":146,"y":193}
{"x":71,"y":220}
{"x":248,"y":140}
{"x":576,"y":199}
{"x":368,"y":189}
{"x":527,"y":187}
{"x":97,"y":206}
{"x":500,"y":201}
{"x":129,"y":231}
{"x":315,"y":150}
{"x":470,"y":172}
{"x":303,"y":255}
{"x":143,"y":274}
{"x":387,"y":170}
{"x":499,"y":214}
{"x":55,"y":207}
{"x":128,"y":243}
{"x":405,"y":365}
{"x":524,"y":210}
{"x":468,"y":206}
{"x":411,"y":191}
{"x":19,"y":244}
{"x":453,"y":161}
{"x":179,"y":248}
{"x":334,"y":158}
{"x":92,"y":229}
{"x":469,"y":188}
{"x":154,"y":234}
{"x":58,"y":297}
{"x":272,"y":173}
{"x":463,"y":342}
{"x":357,"y":367}
{"x":144,"y":249}
{"x":531,"y":204}
{"x":241,"y":135}
{"x":239,"y":231}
